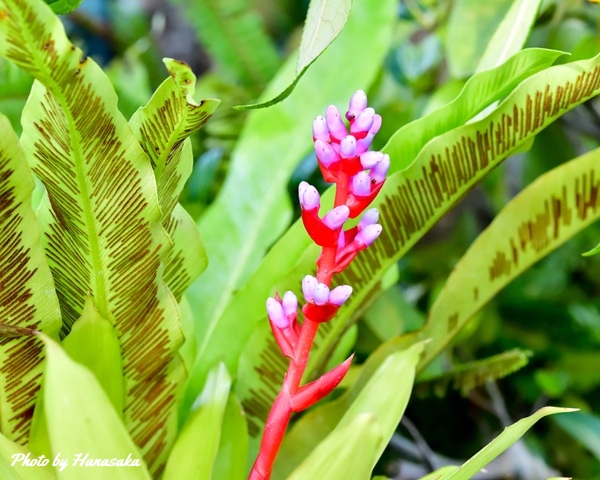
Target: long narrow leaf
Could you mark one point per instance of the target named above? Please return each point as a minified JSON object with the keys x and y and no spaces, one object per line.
{"x":82,"y":424}
{"x":101,"y":216}
{"x":324,"y":22}
{"x":509,"y":436}
{"x":541,"y":218}
{"x":27,"y":296}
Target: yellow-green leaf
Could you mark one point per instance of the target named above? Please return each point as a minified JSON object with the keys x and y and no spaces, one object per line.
{"x":92,"y":342}
{"x":28,"y":300}
{"x":542,"y":217}
{"x":194,"y":452}
{"x":101,"y":216}
{"x":13,"y":466}
{"x":162,"y":127}
{"x":82,"y":421}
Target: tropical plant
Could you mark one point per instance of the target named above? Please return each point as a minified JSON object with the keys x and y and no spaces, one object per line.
{"x":132,"y":346}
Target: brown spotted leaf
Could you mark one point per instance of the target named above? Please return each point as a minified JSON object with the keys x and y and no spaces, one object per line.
{"x":542,"y":217}
{"x":162,"y":127}
{"x":28,"y":300}
{"x":101,"y":216}
{"x":410,"y":203}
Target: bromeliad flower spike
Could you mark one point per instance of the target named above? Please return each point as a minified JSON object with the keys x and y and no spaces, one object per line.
{"x":344,"y":159}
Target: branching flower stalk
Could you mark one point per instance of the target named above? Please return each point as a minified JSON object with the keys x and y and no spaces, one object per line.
{"x":344,"y":159}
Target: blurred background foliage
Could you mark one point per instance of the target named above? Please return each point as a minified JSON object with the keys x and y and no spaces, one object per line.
{"x":552,"y":312}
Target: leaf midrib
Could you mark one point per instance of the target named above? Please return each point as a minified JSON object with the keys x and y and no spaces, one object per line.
{"x":98,"y":277}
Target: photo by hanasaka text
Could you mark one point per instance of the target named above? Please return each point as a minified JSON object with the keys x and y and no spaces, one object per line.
{"x":358,"y":173}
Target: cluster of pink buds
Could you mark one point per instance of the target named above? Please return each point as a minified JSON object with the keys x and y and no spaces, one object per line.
{"x":344,"y":159}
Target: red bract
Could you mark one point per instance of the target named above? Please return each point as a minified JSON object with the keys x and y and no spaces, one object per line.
{"x":359,"y":174}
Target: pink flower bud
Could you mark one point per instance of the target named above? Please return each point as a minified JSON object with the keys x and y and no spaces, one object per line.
{"x":335,"y":218}
{"x":358,"y":102}
{"x":348,"y":147}
{"x":337,"y":129}
{"x":309,"y":283}
{"x":320,"y":130}
{"x":361,"y":184}
{"x":325,"y":153}
{"x":363,"y":144}
{"x":379,"y":171}
{"x":321,"y":294}
{"x":276,"y":314}
{"x":308,"y":196}
{"x":370,"y":217}
{"x":363,"y":122}
{"x":366,"y":237}
{"x":369,"y":159}
{"x":290,"y":304}
{"x":339,"y":295}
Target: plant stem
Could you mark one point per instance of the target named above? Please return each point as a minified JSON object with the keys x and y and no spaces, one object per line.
{"x":281,"y":411}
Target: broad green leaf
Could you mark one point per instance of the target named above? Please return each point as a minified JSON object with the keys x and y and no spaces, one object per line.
{"x":480,"y":91}
{"x":27,"y":297}
{"x":92,"y":342}
{"x":511,"y":34}
{"x":62,"y":7}
{"x":466,"y":376}
{"x":162,"y":127}
{"x":370,"y":394}
{"x":14,"y":90}
{"x":253,"y":207}
{"x":542,"y":217}
{"x":196,"y":447}
{"x":232,"y":33}
{"x":101,"y":217}
{"x":324,"y":22}
{"x":81,"y":421}
{"x":471,"y":25}
{"x":509,"y":436}
{"x":188,"y":349}
{"x":12,"y":466}
{"x":410,"y":202}
{"x":231,"y":459}
{"x":584,"y":428}
{"x":344,"y":454}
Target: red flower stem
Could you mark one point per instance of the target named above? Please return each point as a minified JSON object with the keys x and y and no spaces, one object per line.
{"x":281,"y":411}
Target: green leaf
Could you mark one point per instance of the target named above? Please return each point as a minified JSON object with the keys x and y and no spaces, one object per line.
{"x":230,"y":462}
{"x":593,"y":251}
{"x":12,"y":466}
{"x":232,"y":33}
{"x":370,"y":394}
{"x":542,"y":217}
{"x":162,"y":127}
{"x":81,"y":421}
{"x":62,"y":7}
{"x":28,"y":300}
{"x":195,"y":450}
{"x":253,"y":206}
{"x":471,"y":25}
{"x":466,"y":376}
{"x":410,"y":203}
{"x":92,"y":342}
{"x":15,"y":85}
{"x":346,"y":453}
{"x":511,"y":34}
{"x":480,"y":91}
{"x":101,"y":217}
{"x":324,"y":22}
{"x":584,"y":428}
{"x":509,"y":436}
